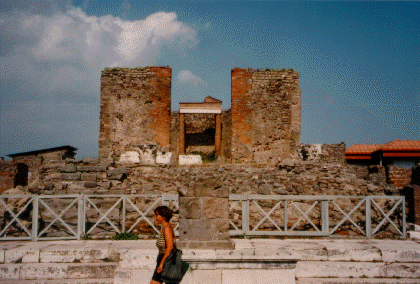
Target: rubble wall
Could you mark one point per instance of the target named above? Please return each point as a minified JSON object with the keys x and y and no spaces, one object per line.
{"x":135,"y":109}
{"x":266,"y":118}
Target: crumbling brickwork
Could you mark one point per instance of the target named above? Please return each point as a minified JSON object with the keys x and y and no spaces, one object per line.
{"x":135,"y":109}
{"x":265,"y":115}
{"x":7,"y":175}
{"x":398,"y":176}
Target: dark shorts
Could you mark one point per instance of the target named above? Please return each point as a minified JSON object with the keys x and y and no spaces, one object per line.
{"x":156,"y":276}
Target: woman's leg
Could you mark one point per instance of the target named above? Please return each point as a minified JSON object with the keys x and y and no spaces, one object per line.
{"x":155,"y":282}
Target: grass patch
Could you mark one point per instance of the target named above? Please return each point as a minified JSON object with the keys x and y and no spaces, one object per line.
{"x":125,"y":236}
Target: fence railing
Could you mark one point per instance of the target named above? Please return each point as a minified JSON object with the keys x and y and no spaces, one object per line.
{"x":60,"y":217}
{"x":317,"y":215}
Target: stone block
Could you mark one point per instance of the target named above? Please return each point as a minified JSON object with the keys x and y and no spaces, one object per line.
{"x":210,"y":188}
{"x":215,"y":207}
{"x":76,"y":186}
{"x":220,"y":229}
{"x":138,"y":259}
{"x":130,"y":157}
{"x":187,"y":160}
{"x":194,"y":230}
{"x":93,"y":270}
{"x":164,"y":159}
{"x":69,"y":168}
{"x":257,"y":276}
{"x":9,"y":271}
{"x":70,"y":176}
{"x":88,"y":168}
{"x":90,"y":184}
{"x":104,"y":184}
{"x":117,"y":173}
{"x":344,"y":269}
{"x":401,"y":270}
{"x":190,"y":208}
{"x":43,"y":271}
{"x":90,"y":177}
{"x":58,"y":254}
{"x":203,"y":277}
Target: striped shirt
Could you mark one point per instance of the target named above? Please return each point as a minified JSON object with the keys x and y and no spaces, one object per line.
{"x":160,"y":243}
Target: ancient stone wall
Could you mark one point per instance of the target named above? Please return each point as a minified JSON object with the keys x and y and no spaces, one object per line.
{"x":398,"y":176}
{"x":265,"y":115}
{"x":288,"y":178}
{"x":135,"y":109}
{"x":323,"y":153}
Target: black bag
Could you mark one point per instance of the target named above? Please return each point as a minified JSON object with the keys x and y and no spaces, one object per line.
{"x":173,"y":267}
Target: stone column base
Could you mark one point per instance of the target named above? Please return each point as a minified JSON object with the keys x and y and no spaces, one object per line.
{"x":222,"y":244}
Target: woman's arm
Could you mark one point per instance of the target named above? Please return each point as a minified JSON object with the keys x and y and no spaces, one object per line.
{"x":169,"y":240}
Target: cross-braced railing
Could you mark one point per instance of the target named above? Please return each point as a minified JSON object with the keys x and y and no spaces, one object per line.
{"x":315,"y":215}
{"x":61,"y":217}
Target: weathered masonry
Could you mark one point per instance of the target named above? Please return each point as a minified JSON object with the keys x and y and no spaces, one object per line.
{"x":135,"y":109}
{"x":262,"y":127}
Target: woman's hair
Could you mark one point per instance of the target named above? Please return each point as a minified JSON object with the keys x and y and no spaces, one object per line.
{"x":165,"y":212}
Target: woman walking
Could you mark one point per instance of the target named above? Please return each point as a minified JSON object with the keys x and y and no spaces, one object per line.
{"x":165,"y":243}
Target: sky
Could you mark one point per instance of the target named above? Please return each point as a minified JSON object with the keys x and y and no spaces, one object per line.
{"x":359,"y":63}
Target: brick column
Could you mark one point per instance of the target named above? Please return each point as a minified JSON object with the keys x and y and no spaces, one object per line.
{"x":218,"y":136}
{"x":204,"y":216}
{"x":416,"y":194}
{"x":181,"y":133}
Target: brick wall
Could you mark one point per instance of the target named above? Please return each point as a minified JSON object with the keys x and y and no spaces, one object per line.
{"x":416,"y":194}
{"x":265,"y":115}
{"x":135,"y":109}
{"x":7,"y":175}
{"x":399,"y":177}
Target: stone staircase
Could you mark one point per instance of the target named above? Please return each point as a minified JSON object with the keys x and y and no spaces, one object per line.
{"x":322,"y":261}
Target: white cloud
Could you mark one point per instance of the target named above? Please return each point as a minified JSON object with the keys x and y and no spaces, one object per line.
{"x":57,"y":57}
{"x":185,"y":77}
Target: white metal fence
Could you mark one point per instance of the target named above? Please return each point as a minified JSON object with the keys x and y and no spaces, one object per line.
{"x":60,"y":217}
{"x":318,"y":215}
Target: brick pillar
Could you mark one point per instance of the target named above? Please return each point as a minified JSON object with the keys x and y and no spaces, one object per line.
{"x":204,"y":216}
{"x":416,"y":194}
{"x":181,"y":133}
{"x":218,"y":136}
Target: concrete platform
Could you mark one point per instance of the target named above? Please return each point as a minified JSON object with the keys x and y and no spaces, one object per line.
{"x":326,"y":261}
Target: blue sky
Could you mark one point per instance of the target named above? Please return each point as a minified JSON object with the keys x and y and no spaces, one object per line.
{"x":359,"y":63}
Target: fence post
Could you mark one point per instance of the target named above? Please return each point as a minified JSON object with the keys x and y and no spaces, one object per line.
{"x":83,"y":218}
{"x":368,"y":217}
{"x":35,"y":218}
{"x":80,"y":218}
{"x":245,"y":214}
{"x":324,"y":218}
{"x":123,"y":213}
{"x":403,"y":218}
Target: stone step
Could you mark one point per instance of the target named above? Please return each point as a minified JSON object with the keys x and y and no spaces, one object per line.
{"x":356,"y":281}
{"x":132,"y":276}
{"x":326,"y":269}
{"x":138,"y":259}
{"x":61,"y":281}
{"x":39,"y":271}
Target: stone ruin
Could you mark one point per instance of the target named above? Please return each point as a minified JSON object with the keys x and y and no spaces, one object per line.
{"x":262,"y":126}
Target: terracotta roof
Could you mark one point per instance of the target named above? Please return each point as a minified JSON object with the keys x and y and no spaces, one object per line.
{"x":402,"y":145}
{"x":357,"y":149}
{"x":396,"y":148}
